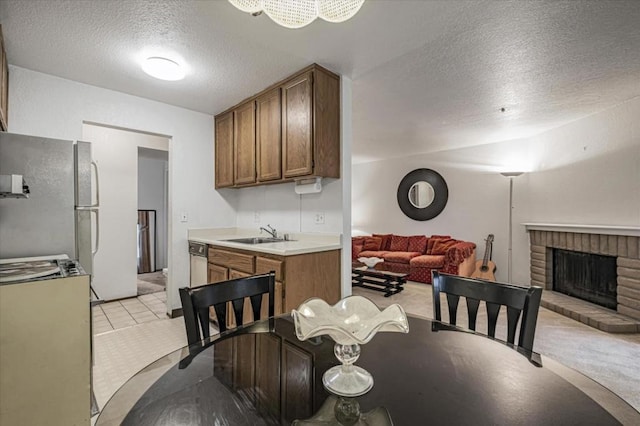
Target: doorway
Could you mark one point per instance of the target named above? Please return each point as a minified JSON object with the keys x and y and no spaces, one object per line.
{"x":152,"y":220}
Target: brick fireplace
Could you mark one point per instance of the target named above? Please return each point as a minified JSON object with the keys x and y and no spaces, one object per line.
{"x":621,"y":242}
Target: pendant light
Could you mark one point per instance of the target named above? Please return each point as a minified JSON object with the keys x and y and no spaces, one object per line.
{"x":299,"y":13}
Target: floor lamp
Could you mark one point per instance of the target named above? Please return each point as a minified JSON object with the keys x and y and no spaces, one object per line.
{"x":510,"y":175}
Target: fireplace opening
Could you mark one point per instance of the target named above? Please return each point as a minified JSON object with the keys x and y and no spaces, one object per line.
{"x":587,"y":276}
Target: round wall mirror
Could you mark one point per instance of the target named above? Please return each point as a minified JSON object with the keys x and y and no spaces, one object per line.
{"x":422,"y":194}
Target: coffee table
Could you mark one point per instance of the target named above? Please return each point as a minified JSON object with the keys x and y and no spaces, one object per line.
{"x":388,"y":282}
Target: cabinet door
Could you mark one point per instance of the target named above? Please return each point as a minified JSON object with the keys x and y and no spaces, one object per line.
{"x":244,"y":143}
{"x":244,"y":365}
{"x":268,"y":356}
{"x":269,"y":136}
{"x":216,"y":273}
{"x":264,"y":265}
{"x":297,"y":383}
{"x":224,"y":150}
{"x":277,"y":301}
{"x":297,"y":126}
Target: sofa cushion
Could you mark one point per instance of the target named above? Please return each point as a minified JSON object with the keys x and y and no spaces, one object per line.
{"x":417,"y":243}
{"x":372,"y":243}
{"x":432,"y":240}
{"x":400,"y":256}
{"x":369,"y":253}
{"x":356,"y":248}
{"x":399,"y":243}
{"x":441,"y":246}
{"x":428,"y":261}
{"x":386,"y":240}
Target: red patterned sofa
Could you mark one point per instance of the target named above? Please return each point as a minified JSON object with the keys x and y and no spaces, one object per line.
{"x":417,"y":255}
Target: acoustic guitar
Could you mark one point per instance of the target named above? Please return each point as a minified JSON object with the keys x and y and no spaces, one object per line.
{"x":485,"y":267}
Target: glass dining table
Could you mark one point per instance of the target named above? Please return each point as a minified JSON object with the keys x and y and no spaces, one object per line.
{"x":261,"y":374}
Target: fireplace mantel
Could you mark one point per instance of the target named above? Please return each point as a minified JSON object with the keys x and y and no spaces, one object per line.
{"x":630,"y":231}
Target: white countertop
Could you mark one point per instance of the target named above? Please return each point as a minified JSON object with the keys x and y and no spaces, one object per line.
{"x":300,"y":243}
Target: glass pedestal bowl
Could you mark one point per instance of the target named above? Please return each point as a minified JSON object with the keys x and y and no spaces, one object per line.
{"x":370,"y":262}
{"x":351,"y":322}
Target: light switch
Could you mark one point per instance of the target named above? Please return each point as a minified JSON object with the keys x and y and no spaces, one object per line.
{"x":319,"y":218}
{"x":184,"y":217}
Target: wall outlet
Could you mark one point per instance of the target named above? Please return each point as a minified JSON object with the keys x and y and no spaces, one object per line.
{"x":319,"y":218}
{"x":184,"y":217}
{"x":256,"y":216}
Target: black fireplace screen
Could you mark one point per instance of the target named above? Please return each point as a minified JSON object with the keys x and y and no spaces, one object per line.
{"x":590,"y":277}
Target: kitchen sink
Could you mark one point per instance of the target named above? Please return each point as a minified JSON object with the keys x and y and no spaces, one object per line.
{"x":256,"y":240}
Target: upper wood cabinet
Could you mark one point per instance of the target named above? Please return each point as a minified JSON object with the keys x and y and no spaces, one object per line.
{"x":289,"y":131}
{"x":4,"y":86}
{"x":269,"y":136}
{"x":224,"y":150}
{"x":244,"y":143}
{"x":297,"y":126}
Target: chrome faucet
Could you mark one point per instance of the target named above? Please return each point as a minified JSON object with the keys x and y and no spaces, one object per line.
{"x":271,"y":231}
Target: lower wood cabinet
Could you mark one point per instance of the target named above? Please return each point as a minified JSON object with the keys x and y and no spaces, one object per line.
{"x":216,"y":273}
{"x":280,"y":377}
{"x":298,"y":277}
{"x":297,"y":383}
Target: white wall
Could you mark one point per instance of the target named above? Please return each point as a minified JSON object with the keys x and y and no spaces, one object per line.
{"x":587,"y":172}
{"x":279,"y":206}
{"x":152,"y":195}
{"x":44,"y":105}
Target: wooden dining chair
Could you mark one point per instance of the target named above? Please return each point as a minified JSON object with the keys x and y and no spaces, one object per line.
{"x":197,"y":301}
{"x":520,"y":302}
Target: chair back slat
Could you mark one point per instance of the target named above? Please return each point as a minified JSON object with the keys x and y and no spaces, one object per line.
{"x":493,"y":310}
{"x":221,"y":317}
{"x":521,"y":302}
{"x":513,"y":315}
{"x":197,"y":301}
{"x":472,"y":312}
{"x":256,"y":304}
{"x":452,"y":303}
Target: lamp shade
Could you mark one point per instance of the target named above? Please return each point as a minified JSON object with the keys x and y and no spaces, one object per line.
{"x":511,"y":174}
{"x":299,"y":13}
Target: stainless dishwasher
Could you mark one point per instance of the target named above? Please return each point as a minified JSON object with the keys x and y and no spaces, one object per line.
{"x":198,"y":261}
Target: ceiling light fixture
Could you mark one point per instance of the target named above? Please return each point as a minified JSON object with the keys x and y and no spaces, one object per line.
{"x":298,"y":13}
{"x":163,"y":68}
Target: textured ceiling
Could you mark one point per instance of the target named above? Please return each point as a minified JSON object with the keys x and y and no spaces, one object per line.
{"x":427,"y":75}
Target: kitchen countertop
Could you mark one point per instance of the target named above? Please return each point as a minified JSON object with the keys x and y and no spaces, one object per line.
{"x":301,"y":243}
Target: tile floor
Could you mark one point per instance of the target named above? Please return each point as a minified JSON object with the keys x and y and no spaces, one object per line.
{"x":127,"y":312}
{"x":129,"y":344}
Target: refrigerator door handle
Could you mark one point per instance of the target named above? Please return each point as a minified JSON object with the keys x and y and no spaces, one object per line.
{"x":94,"y":251}
{"x":95,"y":167}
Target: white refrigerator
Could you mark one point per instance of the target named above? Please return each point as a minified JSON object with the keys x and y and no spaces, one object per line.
{"x":59,"y":215}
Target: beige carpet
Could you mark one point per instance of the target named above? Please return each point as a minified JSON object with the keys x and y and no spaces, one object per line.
{"x":610,"y":359}
{"x":152,"y":282}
